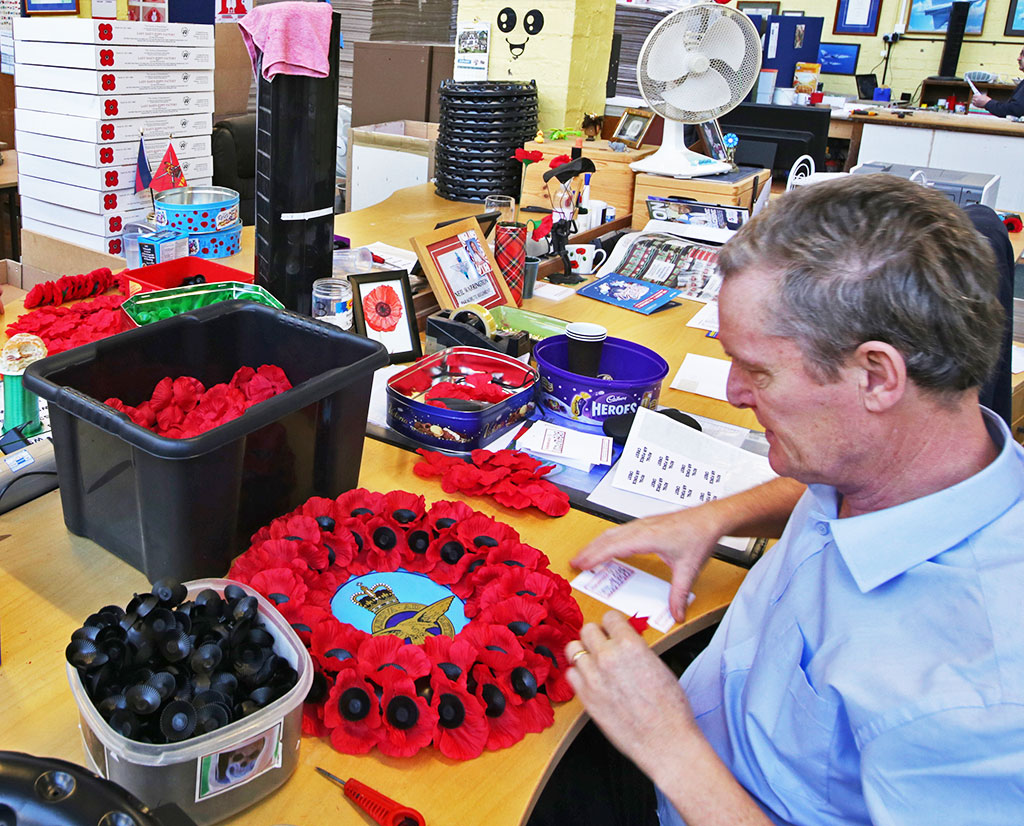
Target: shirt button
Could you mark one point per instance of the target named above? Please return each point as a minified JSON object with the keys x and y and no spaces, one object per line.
{"x":822,"y":528}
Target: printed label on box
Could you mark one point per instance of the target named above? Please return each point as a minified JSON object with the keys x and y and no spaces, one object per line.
{"x":115,"y":154}
{"x":112,"y":106}
{"x":91,"y":82}
{"x":111,"y":131}
{"x":106,"y":226}
{"x":224,"y":770}
{"x":115,"y":32}
{"x":85,"y":56}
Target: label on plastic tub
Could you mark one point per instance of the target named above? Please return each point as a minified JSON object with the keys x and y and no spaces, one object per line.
{"x":225,"y":770}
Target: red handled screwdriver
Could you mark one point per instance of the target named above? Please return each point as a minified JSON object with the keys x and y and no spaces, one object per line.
{"x":383,"y":810}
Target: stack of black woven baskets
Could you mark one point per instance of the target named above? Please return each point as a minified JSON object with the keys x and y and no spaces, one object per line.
{"x":483,"y":123}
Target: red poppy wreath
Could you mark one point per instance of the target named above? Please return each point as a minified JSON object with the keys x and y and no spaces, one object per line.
{"x":426,"y":625}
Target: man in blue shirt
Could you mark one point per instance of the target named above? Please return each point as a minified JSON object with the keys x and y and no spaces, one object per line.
{"x":1001,"y":108}
{"x":871,"y":667}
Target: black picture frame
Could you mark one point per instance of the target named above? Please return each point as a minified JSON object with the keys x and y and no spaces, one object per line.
{"x":762,"y":8}
{"x":405,"y":346}
{"x":1014,"y":20}
{"x":838,"y":58}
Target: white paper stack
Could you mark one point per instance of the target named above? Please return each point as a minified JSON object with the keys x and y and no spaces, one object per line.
{"x":85,"y":91}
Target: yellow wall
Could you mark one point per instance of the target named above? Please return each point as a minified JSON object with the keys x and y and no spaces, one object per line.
{"x":913,"y":60}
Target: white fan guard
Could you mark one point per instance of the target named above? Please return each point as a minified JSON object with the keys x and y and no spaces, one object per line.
{"x":699,"y":62}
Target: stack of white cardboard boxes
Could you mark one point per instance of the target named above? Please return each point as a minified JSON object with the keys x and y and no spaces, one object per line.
{"x":85,"y":90}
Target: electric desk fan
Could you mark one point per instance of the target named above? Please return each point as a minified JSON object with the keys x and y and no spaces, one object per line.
{"x":698,"y":63}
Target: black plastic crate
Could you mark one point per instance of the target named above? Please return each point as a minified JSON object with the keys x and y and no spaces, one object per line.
{"x":185,"y":507}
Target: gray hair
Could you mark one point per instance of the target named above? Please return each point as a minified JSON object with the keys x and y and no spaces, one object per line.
{"x":878,"y":258}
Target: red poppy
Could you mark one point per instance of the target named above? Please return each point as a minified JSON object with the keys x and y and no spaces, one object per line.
{"x":408,"y":721}
{"x":522,"y":582}
{"x":485,"y":533}
{"x":550,"y":643}
{"x":304,"y":618}
{"x":543,"y":228}
{"x":319,"y":507}
{"x":382,"y":309}
{"x":496,"y":646}
{"x":295,"y":527}
{"x":516,"y":555}
{"x":405,"y":508}
{"x":385,"y":544}
{"x":450,"y":558}
{"x":505,"y":728}
{"x":558,"y":160}
{"x":528,"y":157}
{"x":259,"y":557}
{"x":280,"y":585}
{"x":461,"y":731}
{"x":352,"y":713}
{"x":517,"y":614}
{"x":444,"y":513}
{"x":388,"y":653}
{"x":361,"y":502}
{"x":335,"y":645}
{"x":313,"y":720}
{"x":450,"y":658}
{"x":638,"y":624}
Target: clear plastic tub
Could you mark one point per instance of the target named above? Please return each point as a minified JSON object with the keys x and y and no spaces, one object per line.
{"x":215,"y":775}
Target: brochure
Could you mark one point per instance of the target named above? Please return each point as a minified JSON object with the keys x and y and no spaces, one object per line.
{"x":629,"y":293}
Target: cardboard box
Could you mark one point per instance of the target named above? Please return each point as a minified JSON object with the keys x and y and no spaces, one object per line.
{"x":84,"y":56}
{"x":109,"y":225}
{"x":730,"y":189}
{"x":394,"y":81}
{"x":104,"y":179}
{"x":234,"y":73}
{"x":611,"y":183}
{"x":91,"y":82}
{"x":89,"y":200}
{"x":113,"y":32}
{"x":111,"y":131}
{"x":387,"y":157}
{"x":113,"y":154}
{"x":113,"y":107}
{"x":97,"y":243}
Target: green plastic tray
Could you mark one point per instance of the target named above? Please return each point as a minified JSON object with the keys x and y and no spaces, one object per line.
{"x":145,"y":308}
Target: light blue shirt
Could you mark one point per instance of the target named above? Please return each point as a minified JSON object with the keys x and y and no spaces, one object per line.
{"x":871,"y":669}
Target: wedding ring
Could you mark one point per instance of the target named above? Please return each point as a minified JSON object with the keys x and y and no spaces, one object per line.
{"x":577,"y":655}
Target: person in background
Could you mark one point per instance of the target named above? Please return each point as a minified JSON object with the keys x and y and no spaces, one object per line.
{"x":1001,"y":108}
{"x":870,"y":668}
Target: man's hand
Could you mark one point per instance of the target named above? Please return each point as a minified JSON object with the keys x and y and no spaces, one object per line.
{"x":682,"y":540}
{"x":980,"y":100}
{"x":631,"y":694}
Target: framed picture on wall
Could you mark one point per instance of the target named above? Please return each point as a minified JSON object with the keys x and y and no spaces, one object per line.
{"x":838,"y":58}
{"x":382,"y":310}
{"x":761,"y":8}
{"x":792,"y":13}
{"x":857,"y":17}
{"x":1015,"y":19}
{"x":929,"y":18}
{"x":51,"y":7}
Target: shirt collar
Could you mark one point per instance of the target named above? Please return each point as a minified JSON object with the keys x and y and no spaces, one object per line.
{"x":881,"y":545}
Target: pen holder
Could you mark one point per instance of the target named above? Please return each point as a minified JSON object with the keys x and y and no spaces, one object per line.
{"x":510,"y":253}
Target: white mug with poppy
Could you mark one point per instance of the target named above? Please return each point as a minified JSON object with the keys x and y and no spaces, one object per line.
{"x":585,"y":258}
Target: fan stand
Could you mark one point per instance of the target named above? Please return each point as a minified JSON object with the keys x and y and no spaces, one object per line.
{"x":675,"y":160}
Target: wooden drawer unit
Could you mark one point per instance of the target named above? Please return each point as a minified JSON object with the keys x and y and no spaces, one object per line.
{"x":730,"y":189}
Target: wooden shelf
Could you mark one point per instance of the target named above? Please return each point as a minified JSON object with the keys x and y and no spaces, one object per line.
{"x":932,"y":90}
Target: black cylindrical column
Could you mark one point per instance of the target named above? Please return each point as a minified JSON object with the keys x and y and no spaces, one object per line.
{"x":954,"y":39}
{"x":296,"y":135}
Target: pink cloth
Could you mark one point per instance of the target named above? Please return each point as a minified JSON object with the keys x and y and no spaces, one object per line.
{"x":294,"y":38}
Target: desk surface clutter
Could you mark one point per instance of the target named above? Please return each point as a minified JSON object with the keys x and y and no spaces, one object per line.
{"x":51,"y":580}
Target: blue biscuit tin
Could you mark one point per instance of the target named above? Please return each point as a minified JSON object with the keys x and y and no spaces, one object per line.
{"x":197,"y":209}
{"x":459,"y":431}
{"x":221,"y":244}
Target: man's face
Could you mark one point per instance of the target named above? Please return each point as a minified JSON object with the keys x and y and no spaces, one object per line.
{"x":806,"y":422}
{"x":1020,"y":60}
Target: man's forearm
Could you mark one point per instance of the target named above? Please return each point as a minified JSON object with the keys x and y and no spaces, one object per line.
{"x":760,"y":511}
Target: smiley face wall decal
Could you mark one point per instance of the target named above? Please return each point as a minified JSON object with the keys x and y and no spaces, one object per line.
{"x":519,"y":26}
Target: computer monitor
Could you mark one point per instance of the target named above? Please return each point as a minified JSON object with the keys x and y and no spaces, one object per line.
{"x":866,"y":85}
{"x":795,"y":131}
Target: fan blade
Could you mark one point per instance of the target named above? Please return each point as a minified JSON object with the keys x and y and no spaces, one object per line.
{"x":699,"y":93}
{"x":724,"y":40}
{"x":663,"y":59}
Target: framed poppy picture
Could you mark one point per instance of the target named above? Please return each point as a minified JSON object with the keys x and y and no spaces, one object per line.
{"x":382,"y":310}
{"x":460,"y":266}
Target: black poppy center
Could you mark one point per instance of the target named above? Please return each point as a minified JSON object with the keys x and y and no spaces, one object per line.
{"x":418,"y":541}
{"x":362,"y":512}
{"x":524,"y":683}
{"x":485,"y":542}
{"x":278,"y":598}
{"x":544,"y":651}
{"x":354,"y":704}
{"x":452,"y":552}
{"x":519,"y":628}
{"x":339,"y":654}
{"x":451,"y":670}
{"x":383,"y":309}
{"x":495,"y":700}
{"x":450,"y":711}
{"x":404,"y":516}
{"x":384,"y":538}
{"x":318,"y":690}
{"x":402,"y":712}
{"x":325,"y":523}
{"x":444,"y":522}
{"x":476,"y":563}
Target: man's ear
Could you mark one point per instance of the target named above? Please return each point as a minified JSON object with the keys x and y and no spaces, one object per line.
{"x":883,"y":375}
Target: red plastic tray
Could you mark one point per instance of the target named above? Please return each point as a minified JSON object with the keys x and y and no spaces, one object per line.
{"x":174,"y":272}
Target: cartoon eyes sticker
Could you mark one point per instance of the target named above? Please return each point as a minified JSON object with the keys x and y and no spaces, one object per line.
{"x":507,"y":19}
{"x":533,"y":22}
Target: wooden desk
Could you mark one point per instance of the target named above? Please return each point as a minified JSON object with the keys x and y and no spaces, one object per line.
{"x":51,"y":581}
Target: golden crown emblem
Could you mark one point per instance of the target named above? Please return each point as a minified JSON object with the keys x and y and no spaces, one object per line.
{"x":374,"y":599}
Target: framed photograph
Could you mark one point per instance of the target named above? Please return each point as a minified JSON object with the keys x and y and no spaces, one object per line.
{"x":51,"y":7}
{"x":460,"y":266}
{"x":382,"y":311}
{"x":762,"y":8}
{"x":1015,"y":19}
{"x":711,"y":135}
{"x":838,"y":58}
{"x":857,"y":17}
{"x":792,"y":13}
{"x":632,"y":127}
{"x":928,"y":18}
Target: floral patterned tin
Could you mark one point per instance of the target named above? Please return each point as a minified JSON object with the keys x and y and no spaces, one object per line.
{"x":221,"y":244}
{"x":460,"y":431}
{"x":197,"y":209}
